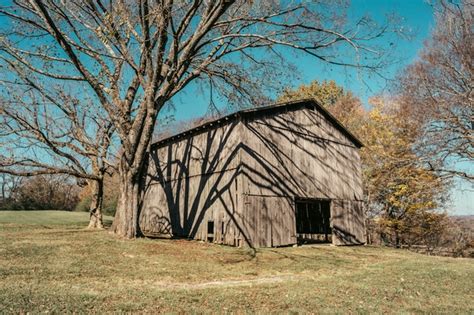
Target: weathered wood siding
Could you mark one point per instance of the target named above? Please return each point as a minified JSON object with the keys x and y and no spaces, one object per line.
{"x":193,"y":181}
{"x":299,"y":153}
{"x":244,"y":177}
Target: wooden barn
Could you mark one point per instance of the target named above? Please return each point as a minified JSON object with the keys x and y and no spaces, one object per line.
{"x":269,"y":176}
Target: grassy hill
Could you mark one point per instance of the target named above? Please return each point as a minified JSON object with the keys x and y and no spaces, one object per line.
{"x":48,"y":262}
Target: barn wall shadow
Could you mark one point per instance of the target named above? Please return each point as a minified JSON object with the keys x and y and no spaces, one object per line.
{"x":216,"y":175}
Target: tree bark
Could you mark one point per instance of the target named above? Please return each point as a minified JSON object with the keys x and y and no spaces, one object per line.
{"x":97,"y":199}
{"x":128,"y":205}
{"x":397,"y":239}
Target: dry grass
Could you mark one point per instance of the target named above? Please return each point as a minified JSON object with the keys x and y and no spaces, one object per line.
{"x":61,"y":267}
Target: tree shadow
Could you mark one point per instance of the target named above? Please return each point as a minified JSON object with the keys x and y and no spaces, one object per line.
{"x":228,"y":175}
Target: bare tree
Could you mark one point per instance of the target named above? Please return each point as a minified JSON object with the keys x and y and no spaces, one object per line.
{"x":437,"y":90}
{"x":45,"y":131}
{"x":134,"y":56}
{"x":8,"y":185}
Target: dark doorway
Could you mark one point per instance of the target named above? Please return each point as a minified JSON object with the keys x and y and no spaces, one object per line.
{"x":210,"y":231}
{"x":313,"y":220}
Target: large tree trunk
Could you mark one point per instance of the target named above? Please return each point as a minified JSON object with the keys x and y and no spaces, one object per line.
{"x":128,"y":205}
{"x":95,"y":208}
{"x":132,"y":170}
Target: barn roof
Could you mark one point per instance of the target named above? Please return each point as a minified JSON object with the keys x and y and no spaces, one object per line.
{"x":259,"y":112}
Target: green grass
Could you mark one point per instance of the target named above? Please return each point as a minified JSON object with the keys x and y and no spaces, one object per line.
{"x":58,"y":266}
{"x":47,"y":217}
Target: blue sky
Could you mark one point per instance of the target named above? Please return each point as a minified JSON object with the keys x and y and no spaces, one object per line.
{"x":417,"y":19}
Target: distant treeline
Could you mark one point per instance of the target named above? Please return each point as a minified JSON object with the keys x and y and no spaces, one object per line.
{"x":441,"y":235}
{"x":39,"y":193}
{"x":52,"y":192}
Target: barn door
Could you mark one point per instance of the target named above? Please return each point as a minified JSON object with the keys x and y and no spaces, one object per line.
{"x":313,"y":218}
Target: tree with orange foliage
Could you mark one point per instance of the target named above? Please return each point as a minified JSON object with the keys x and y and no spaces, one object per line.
{"x":402,"y":193}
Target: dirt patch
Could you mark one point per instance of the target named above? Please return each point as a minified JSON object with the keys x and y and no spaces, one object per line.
{"x":229,"y":283}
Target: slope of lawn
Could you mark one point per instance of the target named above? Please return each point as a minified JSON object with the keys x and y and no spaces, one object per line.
{"x":58,"y":266}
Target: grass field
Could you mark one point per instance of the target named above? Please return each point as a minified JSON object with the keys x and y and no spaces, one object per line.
{"x":47,"y":218}
{"x":48,"y":262}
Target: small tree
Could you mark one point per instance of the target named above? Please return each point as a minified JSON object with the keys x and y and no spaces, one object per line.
{"x":9,"y":184}
{"x":44,"y":131}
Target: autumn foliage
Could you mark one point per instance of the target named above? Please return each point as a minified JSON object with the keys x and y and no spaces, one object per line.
{"x":404,"y":197}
